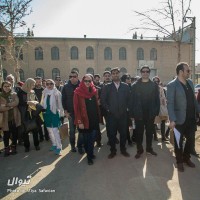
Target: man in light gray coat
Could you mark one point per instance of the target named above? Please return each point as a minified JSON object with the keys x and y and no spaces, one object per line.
{"x":183,"y":109}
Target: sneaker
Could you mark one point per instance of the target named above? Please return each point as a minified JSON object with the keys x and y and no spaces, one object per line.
{"x":53,"y":148}
{"x":58,"y":152}
{"x":152,"y":153}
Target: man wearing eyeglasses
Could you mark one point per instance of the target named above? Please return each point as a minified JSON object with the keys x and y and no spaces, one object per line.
{"x":68,"y":106}
{"x":182,"y":109}
{"x":144,"y":107}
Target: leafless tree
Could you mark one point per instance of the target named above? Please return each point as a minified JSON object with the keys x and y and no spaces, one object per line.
{"x":169,"y":20}
{"x":12,"y":14}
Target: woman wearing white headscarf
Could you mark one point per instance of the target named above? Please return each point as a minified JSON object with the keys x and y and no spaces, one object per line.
{"x":51,"y":101}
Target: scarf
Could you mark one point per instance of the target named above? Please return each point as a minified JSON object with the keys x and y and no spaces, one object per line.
{"x":53,"y":99}
{"x":83,"y":91}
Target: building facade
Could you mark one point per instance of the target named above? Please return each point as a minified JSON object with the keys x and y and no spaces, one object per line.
{"x":49,"y":57}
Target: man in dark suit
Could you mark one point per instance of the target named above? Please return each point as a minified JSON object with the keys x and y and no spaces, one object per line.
{"x":144,"y":107}
{"x":182,"y":108}
{"x":115,"y":99}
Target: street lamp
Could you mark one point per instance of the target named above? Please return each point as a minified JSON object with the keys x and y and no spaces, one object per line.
{"x":193,"y":27}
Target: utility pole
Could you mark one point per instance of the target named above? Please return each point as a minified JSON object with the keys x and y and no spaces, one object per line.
{"x":1,"y":68}
{"x":193,"y":37}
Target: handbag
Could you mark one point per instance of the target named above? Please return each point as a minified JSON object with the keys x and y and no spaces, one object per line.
{"x":63,"y":130}
{"x":30,"y":125}
{"x":163,"y":110}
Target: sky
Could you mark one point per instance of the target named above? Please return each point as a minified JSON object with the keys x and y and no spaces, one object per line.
{"x":96,"y":18}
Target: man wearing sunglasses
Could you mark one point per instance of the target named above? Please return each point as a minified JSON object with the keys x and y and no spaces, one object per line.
{"x":58,"y":82}
{"x":182,"y":109}
{"x":68,"y":106}
{"x":144,"y":107}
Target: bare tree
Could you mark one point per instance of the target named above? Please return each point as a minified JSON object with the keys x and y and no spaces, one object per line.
{"x":12,"y":14}
{"x":169,"y":20}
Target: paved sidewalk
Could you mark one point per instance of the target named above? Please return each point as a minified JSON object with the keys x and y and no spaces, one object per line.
{"x":69,"y":176}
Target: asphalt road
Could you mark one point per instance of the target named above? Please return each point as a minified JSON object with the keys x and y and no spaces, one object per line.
{"x":70,"y":177}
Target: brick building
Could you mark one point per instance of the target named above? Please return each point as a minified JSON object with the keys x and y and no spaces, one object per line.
{"x":48,"y":57}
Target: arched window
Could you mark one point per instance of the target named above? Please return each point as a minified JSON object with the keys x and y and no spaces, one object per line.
{"x":108,"y":69}
{"x":55,"y":72}
{"x":40,"y":72}
{"x":140,"y":54}
{"x":153,"y":54}
{"x":21,"y":74}
{"x":74,"y":53}
{"x":3,"y":53}
{"x":90,"y":71}
{"x":5,"y":73}
{"x":55,"y":53}
{"x":89,"y":53}
{"x":75,"y":69}
{"x":108,"y":53}
{"x":122,"y":53}
{"x":18,"y":53}
{"x":123,"y":70}
{"x":38,"y":53}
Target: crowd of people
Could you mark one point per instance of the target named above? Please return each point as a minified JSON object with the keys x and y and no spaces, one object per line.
{"x":123,"y":104}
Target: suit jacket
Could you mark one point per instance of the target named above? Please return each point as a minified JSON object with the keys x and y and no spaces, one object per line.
{"x":177,"y":102}
{"x":114,"y":101}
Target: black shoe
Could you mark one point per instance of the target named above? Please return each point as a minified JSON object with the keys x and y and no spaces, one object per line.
{"x":138,"y":154}
{"x":111,"y":155}
{"x":189,"y":163}
{"x":37,"y":148}
{"x":27,"y":149}
{"x":152,"y":153}
{"x":125,"y":154}
{"x":99,"y":144}
{"x":180,"y":167}
{"x":93,"y":156}
{"x":117,"y":141}
{"x":73,"y":149}
{"x":81,"y":152}
{"x":130,"y":143}
{"x":90,"y":162}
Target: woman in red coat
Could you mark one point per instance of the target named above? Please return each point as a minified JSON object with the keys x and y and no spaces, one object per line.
{"x":87,"y":116}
